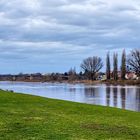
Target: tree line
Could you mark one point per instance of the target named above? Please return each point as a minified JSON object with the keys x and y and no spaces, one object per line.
{"x":90,"y":69}
{"x":131,"y":63}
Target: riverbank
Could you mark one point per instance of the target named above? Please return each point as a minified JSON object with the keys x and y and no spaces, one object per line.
{"x":107,"y":82}
{"x":122,"y":82}
{"x":89,"y":82}
{"x":31,"y":117}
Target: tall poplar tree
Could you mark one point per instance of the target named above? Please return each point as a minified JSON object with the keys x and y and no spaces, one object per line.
{"x":115,"y":64}
{"x":123,"y":65}
{"x":108,"y":66}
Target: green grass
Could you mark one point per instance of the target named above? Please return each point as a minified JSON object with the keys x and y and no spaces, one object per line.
{"x":25,"y":117}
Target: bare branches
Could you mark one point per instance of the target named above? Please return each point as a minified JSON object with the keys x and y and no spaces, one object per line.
{"x":134,"y":61}
{"x":92,"y":65}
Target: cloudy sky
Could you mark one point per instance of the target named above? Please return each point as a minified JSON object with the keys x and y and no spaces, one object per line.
{"x":54,"y":35}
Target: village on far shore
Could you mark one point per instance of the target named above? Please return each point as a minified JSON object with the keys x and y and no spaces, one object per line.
{"x":67,"y":76}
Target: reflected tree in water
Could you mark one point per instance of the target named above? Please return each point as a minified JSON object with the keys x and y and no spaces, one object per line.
{"x":123,"y":97}
{"x":115,"y":93}
{"x":108,"y":90}
{"x":138,"y":98}
{"x":73,"y":90}
{"x":91,"y":92}
{"x":92,"y":95}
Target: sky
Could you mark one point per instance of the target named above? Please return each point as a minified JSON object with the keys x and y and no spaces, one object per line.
{"x":55,"y":35}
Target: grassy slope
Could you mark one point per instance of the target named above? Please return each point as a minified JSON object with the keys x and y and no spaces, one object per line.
{"x":25,"y":117}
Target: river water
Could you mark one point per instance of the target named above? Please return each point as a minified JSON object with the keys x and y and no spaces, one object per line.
{"x":125,"y":97}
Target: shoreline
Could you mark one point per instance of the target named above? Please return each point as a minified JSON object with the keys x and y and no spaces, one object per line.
{"x":89,"y":82}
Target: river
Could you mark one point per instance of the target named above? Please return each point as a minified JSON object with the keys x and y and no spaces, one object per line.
{"x":125,"y":97}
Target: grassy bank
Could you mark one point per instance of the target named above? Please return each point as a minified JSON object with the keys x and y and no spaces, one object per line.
{"x":25,"y":117}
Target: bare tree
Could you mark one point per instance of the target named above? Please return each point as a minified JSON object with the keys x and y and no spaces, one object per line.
{"x":91,"y":66}
{"x":72,"y":71}
{"x":134,"y":61}
{"x":108,"y":66}
{"x":72,"y":74}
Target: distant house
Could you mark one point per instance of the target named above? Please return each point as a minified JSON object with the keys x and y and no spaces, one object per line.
{"x":104,"y":77}
{"x":131,"y":76}
{"x":36,"y":77}
{"x":101,"y":76}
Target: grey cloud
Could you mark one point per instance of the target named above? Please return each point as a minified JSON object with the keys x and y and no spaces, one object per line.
{"x":66,"y":30}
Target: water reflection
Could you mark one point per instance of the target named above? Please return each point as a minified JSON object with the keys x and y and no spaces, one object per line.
{"x":90,"y":92}
{"x":138,"y":99}
{"x":108,"y":90}
{"x":115,"y":95}
{"x":125,"y":97}
{"x":73,"y":90}
{"x":92,"y":96}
